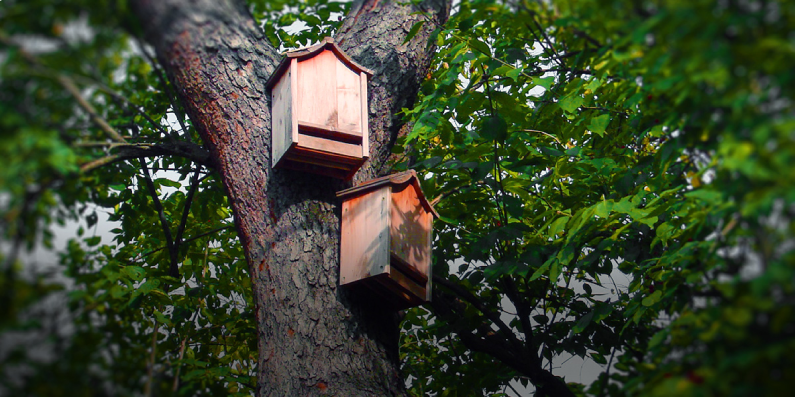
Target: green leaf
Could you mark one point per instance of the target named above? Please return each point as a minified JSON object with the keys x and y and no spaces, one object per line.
{"x":517,"y":186}
{"x":413,"y":31}
{"x":573,"y":152}
{"x":479,"y":46}
{"x":707,"y":195}
{"x":545,"y":82}
{"x":658,"y":338}
{"x":558,"y":226}
{"x":134,"y":272}
{"x":466,"y":24}
{"x":571,"y":103}
{"x":602,"y":310}
{"x":603,"y":209}
{"x":598,"y":358}
{"x":550,"y":151}
{"x":542,"y":270}
{"x":494,"y":128}
{"x":514,"y":206}
{"x":148,"y":286}
{"x":583,"y":322}
{"x":167,"y":182}
{"x":118,"y":291}
{"x":652,"y":299}
{"x":502,"y":70}
{"x":593,"y":84}
{"x":161,"y":318}
{"x":514,"y":74}
{"x":664,"y":232}
{"x":598,"y":124}
{"x":554,"y":271}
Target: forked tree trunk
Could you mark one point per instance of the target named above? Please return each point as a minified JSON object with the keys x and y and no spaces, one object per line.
{"x":314,"y":338}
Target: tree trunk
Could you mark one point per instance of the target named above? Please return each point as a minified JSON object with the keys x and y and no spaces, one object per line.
{"x":314,"y":338}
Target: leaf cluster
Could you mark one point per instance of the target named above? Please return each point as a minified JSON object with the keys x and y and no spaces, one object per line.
{"x":578,"y":144}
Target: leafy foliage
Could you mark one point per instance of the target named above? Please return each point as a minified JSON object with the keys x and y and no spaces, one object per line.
{"x":86,"y":114}
{"x":573,"y":142}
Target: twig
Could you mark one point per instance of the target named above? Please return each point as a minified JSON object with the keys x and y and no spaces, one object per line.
{"x":69,"y":85}
{"x":115,"y":95}
{"x":75,"y":92}
{"x":176,"y":105}
{"x":475,"y":301}
{"x":150,"y":186}
{"x":514,"y":390}
{"x":546,"y":37}
{"x":194,"y":184}
{"x":100,"y":162}
{"x":128,"y":151}
{"x":192,"y":238}
{"x":545,"y":133}
{"x":607,"y":373}
{"x":175,"y":385}
{"x":587,"y":37}
{"x":150,"y":372}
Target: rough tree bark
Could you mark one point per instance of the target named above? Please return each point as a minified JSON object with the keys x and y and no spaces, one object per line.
{"x":314,"y":338}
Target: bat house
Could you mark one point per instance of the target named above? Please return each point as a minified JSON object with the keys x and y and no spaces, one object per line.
{"x":319,"y":112}
{"x":386,"y":239}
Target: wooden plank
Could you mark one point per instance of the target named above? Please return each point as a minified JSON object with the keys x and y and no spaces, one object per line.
{"x":387,"y":293}
{"x":410,"y":228}
{"x":322,"y":158}
{"x":429,"y":272}
{"x":328,"y":145}
{"x":364,"y":239}
{"x":349,"y":111}
{"x":320,"y":162}
{"x":410,"y":271}
{"x":399,"y":179}
{"x":322,"y":131}
{"x":399,"y":296}
{"x":328,"y":44}
{"x":294,"y":96}
{"x":281,"y":118}
{"x":365,"y":117}
{"x":393,"y":179}
{"x":417,"y":291}
{"x":308,"y":52}
{"x":317,"y":89}
{"x":287,"y":163}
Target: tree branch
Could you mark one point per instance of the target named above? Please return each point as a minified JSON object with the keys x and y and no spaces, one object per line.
{"x":194,"y":185}
{"x":546,"y":383}
{"x":523,"y":312}
{"x":475,"y":301}
{"x":175,"y":385}
{"x":175,"y":103}
{"x":128,"y":151}
{"x":216,"y":230}
{"x":150,"y":186}
{"x":120,"y":98}
{"x":150,"y":371}
{"x":69,"y":85}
